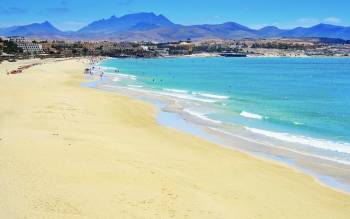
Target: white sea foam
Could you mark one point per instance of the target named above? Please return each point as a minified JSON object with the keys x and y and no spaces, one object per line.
{"x":108,"y":86}
{"x":237,"y":136}
{"x":116,"y":79}
{"x":341,"y":147}
{"x":251,"y":115}
{"x":96,"y":71}
{"x":176,"y":90}
{"x":289,"y":149}
{"x":105,"y":68}
{"x":212,"y":96}
{"x":201,"y":116}
{"x":298,"y":123}
{"x":135,"y":86}
{"x":186,"y":97}
{"x":126,"y":76}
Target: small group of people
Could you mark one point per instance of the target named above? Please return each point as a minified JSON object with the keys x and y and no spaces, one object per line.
{"x":93,"y":69}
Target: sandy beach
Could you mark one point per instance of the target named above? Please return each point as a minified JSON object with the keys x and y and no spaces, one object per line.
{"x":67,"y":151}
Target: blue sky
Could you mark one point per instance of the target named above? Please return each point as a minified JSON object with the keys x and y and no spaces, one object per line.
{"x":73,"y":14}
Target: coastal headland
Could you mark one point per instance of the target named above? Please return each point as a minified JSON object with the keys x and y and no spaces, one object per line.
{"x":68,"y":151}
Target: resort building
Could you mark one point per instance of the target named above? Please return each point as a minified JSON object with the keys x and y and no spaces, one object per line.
{"x":17,"y":39}
{"x":162,"y":51}
{"x":31,"y":48}
{"x":26,"y":45}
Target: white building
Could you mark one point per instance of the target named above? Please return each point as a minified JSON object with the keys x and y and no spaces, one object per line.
{"x":162,"y":51}
{"x":26,"y":45}
{"x":17,"y":39}
{"x":31,"y":48}
{"x":145,"y":48}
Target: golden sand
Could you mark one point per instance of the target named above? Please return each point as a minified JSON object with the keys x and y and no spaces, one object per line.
{"x":72,"y":152}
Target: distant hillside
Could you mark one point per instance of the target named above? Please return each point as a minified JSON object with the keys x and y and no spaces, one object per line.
{"x":43,"y":30}
{"x":320,"y":30}
{"x":149,"y":26}
{"x":270,"y":31}
{"x":7,"y":30}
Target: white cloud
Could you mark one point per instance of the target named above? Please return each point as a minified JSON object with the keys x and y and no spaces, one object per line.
{"x":332,"y":20}
{"x":304,"y":22}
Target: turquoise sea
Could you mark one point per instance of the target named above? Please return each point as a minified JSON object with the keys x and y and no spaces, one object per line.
{"x":305,"y":101}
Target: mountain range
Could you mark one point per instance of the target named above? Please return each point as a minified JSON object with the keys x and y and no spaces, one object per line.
{"x":149,"y":26}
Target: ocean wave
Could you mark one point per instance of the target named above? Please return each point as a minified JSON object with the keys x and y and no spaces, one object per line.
{"x":97,"y":67}
{"x":251,"y":115}
{"x":116,"y":79}
{"x":201,"y":116}
{"x":176,"y":90}
{"x":298,"y":123}
{"x":267,"y":144}
{"x":126,"y":76}
{"x":212,"y":96}
{"x":186,"y":97}
{"x":135,"y":86}
{"x":341,"y":147}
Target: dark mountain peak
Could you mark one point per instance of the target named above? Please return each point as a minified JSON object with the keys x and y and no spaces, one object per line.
{"x":44,"y":26}
{"x":35,"y":29}
{"x":162,"y":16}
{"x":322,"y":25}
{"x":139,"y":15}
{"x":145,"y":14}
{"x":132,"y":22}
{"x":232,"y":23}
{"x":145,"y":17}
{"x":47,"y":24}
{"x":234,"y":26}
{"x":111,"y":19}
{"x":270,"y":31}
{"x":326,"y":26}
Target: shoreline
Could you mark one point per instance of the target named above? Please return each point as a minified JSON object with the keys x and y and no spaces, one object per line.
{"x":215,"y":55}
{"x":199,"y":130}
{"x":96,"y":154}
{"x":173,"y":119}
{"x":336,"y":177}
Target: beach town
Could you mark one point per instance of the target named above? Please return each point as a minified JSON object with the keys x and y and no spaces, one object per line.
{"x":16,"y":47}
